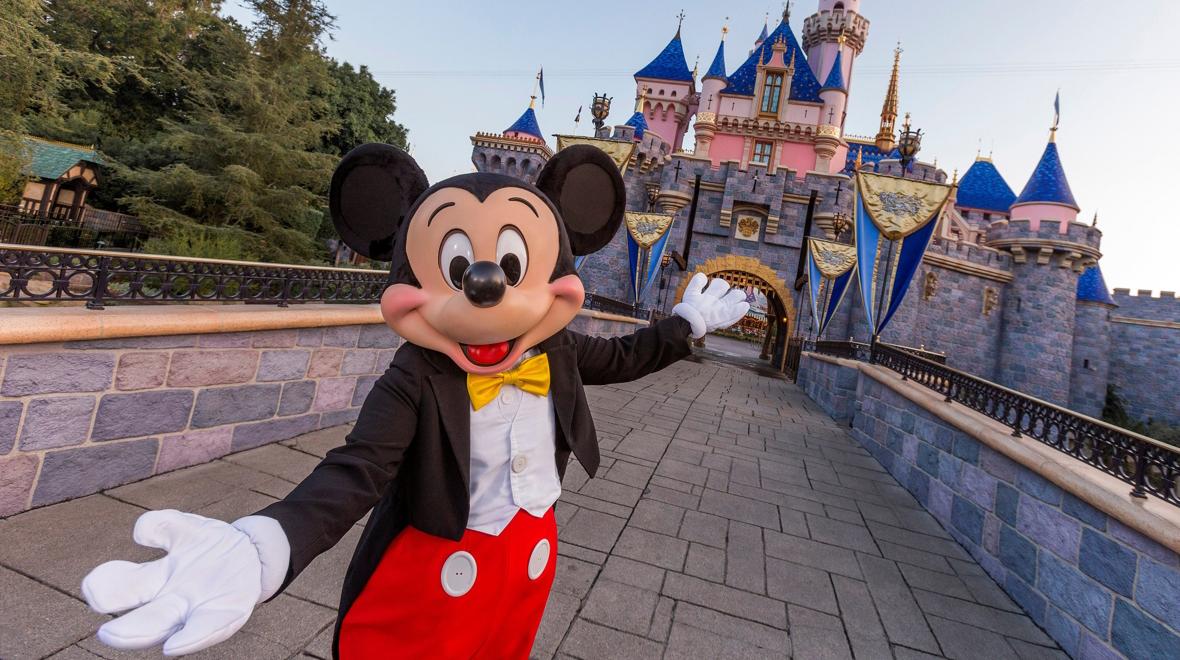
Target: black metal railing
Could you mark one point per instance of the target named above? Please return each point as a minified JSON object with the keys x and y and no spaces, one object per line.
{"x":101,"y":277}
{"x":611,"y":306}
{"x":93,"y":228}
{"x":1149,"y":466}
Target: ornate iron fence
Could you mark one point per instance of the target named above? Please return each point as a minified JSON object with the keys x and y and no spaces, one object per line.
{"x":1149,"y":466}
{"x":100,"y":277}
{"x":611,"y":306}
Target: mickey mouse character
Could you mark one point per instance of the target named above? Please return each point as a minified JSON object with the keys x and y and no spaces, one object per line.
{"x":460,"y":448}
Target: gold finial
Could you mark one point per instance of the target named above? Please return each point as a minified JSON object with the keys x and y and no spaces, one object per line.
{"x":642,"y":97}
{"x":725,"y":28}
{"x":860,"y":154}
{"x":885,"y":139}
{"x":1053,"y":134}
{"x":696,"y":67}
{"x":842,"y":38}
{"x":955,"y":177}
{"x":679,"y":22}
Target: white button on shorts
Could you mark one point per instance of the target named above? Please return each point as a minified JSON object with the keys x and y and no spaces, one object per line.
{"x":539,"y":559}
{"x":458,"y":573}
{"x":519,"y":463}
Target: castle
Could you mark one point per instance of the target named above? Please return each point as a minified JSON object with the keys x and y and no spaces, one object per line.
{"x":1010,"y":288}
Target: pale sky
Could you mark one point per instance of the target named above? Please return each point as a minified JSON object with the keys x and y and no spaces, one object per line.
{"x":971,"y":73}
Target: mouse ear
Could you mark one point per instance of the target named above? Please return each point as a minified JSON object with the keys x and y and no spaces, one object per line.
{"x":585,"y":185}
{"x":372,"y":188}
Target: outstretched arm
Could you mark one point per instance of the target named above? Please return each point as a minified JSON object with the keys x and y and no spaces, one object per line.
{"x":206,"y":587}
{"x":603,"y":361}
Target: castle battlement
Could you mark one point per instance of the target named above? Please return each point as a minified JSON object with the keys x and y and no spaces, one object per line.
{"x":979,"y":255}
{"x":1144,"y":304}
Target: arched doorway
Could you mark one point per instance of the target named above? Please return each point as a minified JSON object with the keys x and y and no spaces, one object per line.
{"x":750,"y":273}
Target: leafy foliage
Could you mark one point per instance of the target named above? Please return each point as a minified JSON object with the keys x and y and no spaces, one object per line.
{"x":1114,"y":410}
{"x":221,"y":137}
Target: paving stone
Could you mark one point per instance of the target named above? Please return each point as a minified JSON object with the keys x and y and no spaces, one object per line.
{"x":39,"y":620}
{"x":979,"y":616}
{"x":734,"y":601}
{"x":255,"y":434}
{"x":801,"y":585}
{"x":966,"y":642}
{"x":899,"y":611}
{"x":634,"y":573}
{"x":704,"y":528}
{"x":560,"y":610}
{"x":942,"y":583}
{"x":574,"y":576}
{"x":755,"y":634}
{"x":658,"y":549}
{"x":661,"y":621}
{"x":812,"y":553}
{"x":843,"y":534}
{"x":588,"y":640}
{"x":705,"y":562}
{"x":817,"y":635}
{"x":657,"y":517}
{"x":318,"y":443}
{"x":594,"y":530}
{"x":620,"y":606}
{"x":276,"y":460}
{"x":611,"y":491}
{"x":689,"y":642}
{"x":745,"y":559}
{"x":740,"y":508}
{"x":1026,"y":651}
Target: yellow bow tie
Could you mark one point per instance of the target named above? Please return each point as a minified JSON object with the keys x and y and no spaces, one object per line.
{"x":532,"y":376}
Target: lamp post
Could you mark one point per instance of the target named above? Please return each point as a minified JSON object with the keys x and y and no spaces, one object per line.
{"x":600,"y":108}
{"x":908,"y":144}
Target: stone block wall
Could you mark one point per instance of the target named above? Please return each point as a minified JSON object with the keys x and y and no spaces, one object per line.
{"x":1091,"y":358}
{"x":1145,"y":353}
{"x":78,"y":417}
{"x":830,"y":385}
{"x":1098,"y":587}
{"x":1036,"y":338}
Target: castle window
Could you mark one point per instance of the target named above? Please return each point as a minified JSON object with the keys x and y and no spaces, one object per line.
{"x":772,"y":91}
{"x":762,"y":152}
{"x":1086,"y":364}
{"x":839,"y":6}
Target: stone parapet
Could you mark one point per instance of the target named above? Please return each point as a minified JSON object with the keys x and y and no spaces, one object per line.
{"x":1097,"y":569}
{"x":119,"y":395}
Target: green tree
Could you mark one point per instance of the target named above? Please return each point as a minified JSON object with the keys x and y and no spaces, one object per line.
{"x":364,"y":109}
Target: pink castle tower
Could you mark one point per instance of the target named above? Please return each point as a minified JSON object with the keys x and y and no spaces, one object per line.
{"x":772,"y":110}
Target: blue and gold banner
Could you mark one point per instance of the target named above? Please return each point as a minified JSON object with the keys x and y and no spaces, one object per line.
{"x":647,"y":236}
{"x":830,"y":268}
{"x":896,"y":217}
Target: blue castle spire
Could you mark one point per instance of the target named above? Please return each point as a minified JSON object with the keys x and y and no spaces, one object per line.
{"x":836,"y":76}
{"x":669,"y":64}
{"x":804,"y":85}
{"x":527,"y":124}
{"x":762,"y":37}
{"x":717,"y":68}
{"x":1048,"y":183}
{"x":982,"y":187}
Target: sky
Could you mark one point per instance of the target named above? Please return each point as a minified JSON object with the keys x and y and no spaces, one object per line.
{"x":973,"y":74}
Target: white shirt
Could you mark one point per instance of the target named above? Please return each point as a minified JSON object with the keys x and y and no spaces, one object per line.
{"x":513,"y":441}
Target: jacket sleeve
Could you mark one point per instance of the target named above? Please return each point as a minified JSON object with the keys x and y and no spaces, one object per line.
{"x":602,"y":361}
{"x":351,"y":478}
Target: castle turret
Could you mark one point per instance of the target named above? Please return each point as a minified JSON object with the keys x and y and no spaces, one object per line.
{"x":835,"y":31}
{"x":1049,"y":251}
{"x":714,"y":81}
{"x":886,"y":140}
{"x":519,"y":151}
{"x":1091,"y":344}
{"x":670,"y":89}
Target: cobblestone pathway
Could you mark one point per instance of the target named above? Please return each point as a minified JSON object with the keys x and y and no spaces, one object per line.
{"x":730,"y":519}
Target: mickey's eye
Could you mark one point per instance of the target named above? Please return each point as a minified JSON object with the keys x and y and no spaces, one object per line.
{"x":512,"y":255}
{"x":454,"y":257}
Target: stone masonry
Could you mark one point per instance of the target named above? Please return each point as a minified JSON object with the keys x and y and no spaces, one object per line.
{"x":1098,"y":587}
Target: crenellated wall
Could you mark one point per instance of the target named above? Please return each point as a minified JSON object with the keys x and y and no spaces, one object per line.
{"x":1145,"y":354}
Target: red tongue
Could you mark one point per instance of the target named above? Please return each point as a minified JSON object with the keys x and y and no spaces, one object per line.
{"x":487,"y":354}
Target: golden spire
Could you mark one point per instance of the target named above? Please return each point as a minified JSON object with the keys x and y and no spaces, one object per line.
{"x":725,"y":28}
{"x":885,"y":137}
{"x":860,"y":154}
{"x":695,"y":67}
{"x":955,"y":177}
{"x":642,"y":97}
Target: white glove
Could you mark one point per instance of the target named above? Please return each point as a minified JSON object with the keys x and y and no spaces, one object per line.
{"x":197,"y":595}
{"x":709,"y":308}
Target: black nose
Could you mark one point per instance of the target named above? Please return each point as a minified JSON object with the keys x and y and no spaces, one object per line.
{"x":484,"y":283}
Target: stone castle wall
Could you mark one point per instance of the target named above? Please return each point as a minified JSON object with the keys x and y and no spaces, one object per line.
{"x":1066,"y":542}
{"x":1145,"y":354}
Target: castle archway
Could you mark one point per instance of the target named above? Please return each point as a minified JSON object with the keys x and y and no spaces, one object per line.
{"x":748,"y":273}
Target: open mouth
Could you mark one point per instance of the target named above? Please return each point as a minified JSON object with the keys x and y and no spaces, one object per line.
{"x":486,"y":355}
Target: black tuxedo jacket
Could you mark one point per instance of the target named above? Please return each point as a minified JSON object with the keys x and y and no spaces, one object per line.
{"x":409,"y":454}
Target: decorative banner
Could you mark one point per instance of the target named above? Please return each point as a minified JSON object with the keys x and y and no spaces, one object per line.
{"x":619,"y":151}
{"x":902,"y":213}
{"x":647,"y":236}
{"x":830,"y":268}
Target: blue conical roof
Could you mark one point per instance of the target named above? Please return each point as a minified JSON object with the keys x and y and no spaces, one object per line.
{"x":804,"y":86}
{"x":1048,"y":182}
{"x":638,"y":121}
{"x":669,"y":64}
{"x":1092,"y":287}
{"x":717,"y":68}
{"x":762,"y":37}
{"x":982,"y":187}
{"x":836,"y":76}
{"x":527,"y":124}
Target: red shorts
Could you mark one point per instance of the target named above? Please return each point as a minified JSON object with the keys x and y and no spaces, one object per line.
{"x":479,"y":597}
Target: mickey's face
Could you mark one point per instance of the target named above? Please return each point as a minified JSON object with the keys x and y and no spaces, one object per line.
{"x":483,"y":264}
{"x":483,"y":269}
